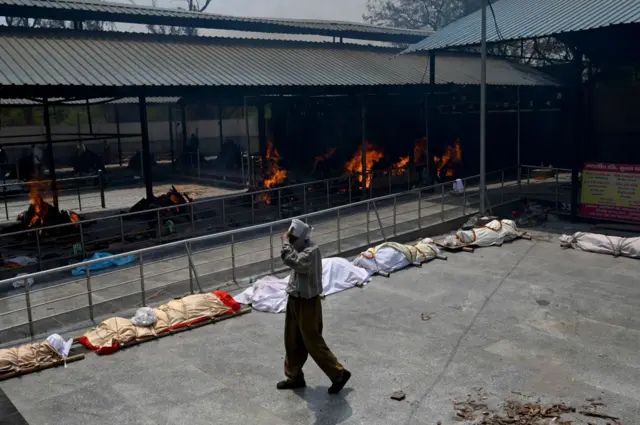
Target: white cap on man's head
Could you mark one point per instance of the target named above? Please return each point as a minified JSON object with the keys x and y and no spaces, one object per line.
{"x":300,"y":229}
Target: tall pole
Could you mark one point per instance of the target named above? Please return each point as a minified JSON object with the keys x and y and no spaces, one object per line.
{"x":115,"y":107}
{"x":483,"y":106}
{"x":173,"y":153}
{"x":146,"y":149}
{"x":50,"y":157}
{"x":518,"y":141}
{"x":364,"y":148}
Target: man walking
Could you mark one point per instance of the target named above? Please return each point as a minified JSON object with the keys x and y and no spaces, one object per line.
{"x":303,"y":320}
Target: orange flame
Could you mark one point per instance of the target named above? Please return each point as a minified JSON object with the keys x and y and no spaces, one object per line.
{"x":274,"y":175}
{"x":419,"y":150}
{"x":453,"y":155}
{"x":354,"y":165}
{"x":74,"y":217}
{"x":323,"y":157}
{"x":40,"y":207}
{"x":400,"y":167}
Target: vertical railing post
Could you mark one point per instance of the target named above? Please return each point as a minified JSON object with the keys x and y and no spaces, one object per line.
{"x":464,"y":197}
{"x":39,"y":250}
{"x":271,"y":258}
{"x":192,"y":217}
{"x":142,"y":288}
{"x":442,"y":201}
{"x":101,"y":183}
{"x":253,"y":210}
{"x":338,"y":226}
{"x":224,"y":216}
{"x":159,"y":236}
{"x":395,"y":202}
{"x":328,"y":195}
{"x":280,"y":203}
{"x":304,"y":199}
{"x":502,"y":189}
{"x":368,"y":236}
{"x":419,"y":209}
{"x":519,"y":180}
{"x":121,"y":229}
{"x":6,"y":206}
{"x":79,"y":200}
{"x":191,"y":289}
{"x":89,"y":293}
{"x":233,"y":258}
{"x":557,"y":193}
{"x":82,"y":239}
{"x":187,"y":247}
{"x":198,"y":153}
{"x":349,"y":188}
{"x":390,"y":172}
{"x":27,"y":299}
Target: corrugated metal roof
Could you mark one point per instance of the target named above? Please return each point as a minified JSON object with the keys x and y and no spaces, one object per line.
{"x":524,"y":19}
{"x":122,"y":12}
{"x":122,"y":101}
{"x":68,"y":58}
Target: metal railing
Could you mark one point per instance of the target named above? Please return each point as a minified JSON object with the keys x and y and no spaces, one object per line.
{"x":214,"y":260}
{"x":56,"y":245}
{"x":73,"y":192}
{"x":538,"y":179}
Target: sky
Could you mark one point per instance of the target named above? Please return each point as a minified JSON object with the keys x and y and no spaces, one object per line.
{"x":342,"y":10}
{"x":333,"y":10}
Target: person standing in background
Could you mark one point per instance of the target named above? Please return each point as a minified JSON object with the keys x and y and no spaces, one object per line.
{"x":37,"y":155}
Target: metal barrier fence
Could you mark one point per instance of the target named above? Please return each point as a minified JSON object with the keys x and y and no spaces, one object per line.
{"x":57,"y":245}
{"x":187,"y":266}
{"x":73,"y":192}
{"x":537,"y":181}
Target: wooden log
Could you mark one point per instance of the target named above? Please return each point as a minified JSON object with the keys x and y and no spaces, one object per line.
{"x":467,"y":249}
{"x":57,"y":363}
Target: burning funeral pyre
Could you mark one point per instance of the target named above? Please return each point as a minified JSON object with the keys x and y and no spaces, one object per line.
{"x":447,"y":163}
{"x":174,"y":201}
{"x":274,"y":175}
{"x":354,"y":165}
{"x":42,"y":214}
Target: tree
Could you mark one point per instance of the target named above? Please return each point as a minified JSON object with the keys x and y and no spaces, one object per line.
{"x":50,"y":23}
{"x":192,"y":6}
{"x":418,"y":14}
{"x":435,"y":14}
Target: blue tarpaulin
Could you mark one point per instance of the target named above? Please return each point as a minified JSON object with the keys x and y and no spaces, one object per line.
{"x":114,"y":262}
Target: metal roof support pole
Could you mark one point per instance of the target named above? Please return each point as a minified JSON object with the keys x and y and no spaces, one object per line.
{"x":171,"y":141}
{"x":146,"y":149}
{"x":183,"y":119}
{"x":432,"y":68}
{"x":248,"y":134}
{"x":262,"y":131}
{"x":518,"y":140}
{"x":117,"y":114}
{"x":578,"y":96}
{"x":89,"y":117}
{"x":52,"y":165}
{"x":364,"y":149}
{"x":483,"y":107}
{"x":220,"y":116}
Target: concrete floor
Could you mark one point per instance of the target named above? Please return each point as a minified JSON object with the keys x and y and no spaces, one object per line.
{"x":559,"y":325}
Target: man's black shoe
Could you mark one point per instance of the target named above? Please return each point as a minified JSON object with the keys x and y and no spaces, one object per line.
{"x":291,"y":385}
{"x":339,"y":385}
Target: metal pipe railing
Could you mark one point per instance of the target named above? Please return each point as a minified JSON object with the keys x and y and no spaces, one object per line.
{"x":256,"y":232}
